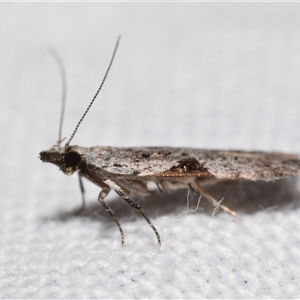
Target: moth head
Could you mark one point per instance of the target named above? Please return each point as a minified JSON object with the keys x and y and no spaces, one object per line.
{"x":68,"y":159}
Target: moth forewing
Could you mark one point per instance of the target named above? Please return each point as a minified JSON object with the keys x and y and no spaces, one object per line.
{"x":127,"y":170}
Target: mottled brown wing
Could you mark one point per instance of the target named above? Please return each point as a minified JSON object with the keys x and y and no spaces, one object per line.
{"x":265,"y":166}
{"x":186,"y":162}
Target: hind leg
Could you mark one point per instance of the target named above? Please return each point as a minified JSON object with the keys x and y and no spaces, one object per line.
{"x":216,"y":204}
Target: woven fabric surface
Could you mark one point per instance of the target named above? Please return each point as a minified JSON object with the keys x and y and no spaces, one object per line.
{"x":219,"y":75}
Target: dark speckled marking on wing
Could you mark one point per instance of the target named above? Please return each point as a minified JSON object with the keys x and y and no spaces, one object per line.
{"x":186,"y":162}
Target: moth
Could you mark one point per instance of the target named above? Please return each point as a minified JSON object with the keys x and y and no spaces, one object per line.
{"x":130,"y":170}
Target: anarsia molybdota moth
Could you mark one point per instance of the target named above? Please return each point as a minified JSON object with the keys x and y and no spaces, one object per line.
{"x":129,"y":170}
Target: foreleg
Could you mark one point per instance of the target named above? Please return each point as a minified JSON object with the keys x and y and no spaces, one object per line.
{"x":104,"y":192}
{"x":136,"y":206}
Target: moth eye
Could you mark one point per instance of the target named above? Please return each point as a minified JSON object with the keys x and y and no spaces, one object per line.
{"x":72,"y":158}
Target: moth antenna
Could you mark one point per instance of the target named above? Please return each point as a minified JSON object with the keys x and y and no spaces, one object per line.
{"x":62,"y":71}
{"x":94,"y":98}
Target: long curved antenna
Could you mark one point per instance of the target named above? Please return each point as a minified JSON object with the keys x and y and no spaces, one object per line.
{"x":63,"y":77}
{"x":94,"y":98}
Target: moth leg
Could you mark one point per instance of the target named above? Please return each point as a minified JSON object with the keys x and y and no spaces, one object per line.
{"x":136,"y":206}
{"x":82,"y":191}
{"x":159,"y":188}
{"x":215,"y":203}
{"x":104,"y":192}
{"x":191,"y":188}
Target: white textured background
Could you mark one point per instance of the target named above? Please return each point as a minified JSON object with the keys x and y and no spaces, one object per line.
{"x":196,"y":75}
